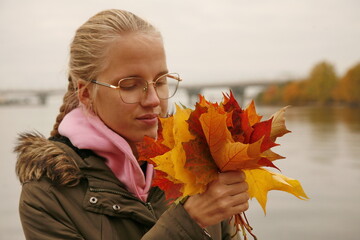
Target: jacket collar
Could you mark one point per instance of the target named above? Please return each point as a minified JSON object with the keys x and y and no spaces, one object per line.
{"x":59,"y":160}
{"x":89,"y":163}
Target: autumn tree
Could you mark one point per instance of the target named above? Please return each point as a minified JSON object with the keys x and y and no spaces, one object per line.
{"x":272,"y":95}
{"x":320,"y":85}
{"x":348,"y":89}
{"x":293,"y":93}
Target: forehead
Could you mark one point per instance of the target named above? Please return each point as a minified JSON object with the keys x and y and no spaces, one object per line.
{"x":134,"y":44}
{"x":134,"y":52}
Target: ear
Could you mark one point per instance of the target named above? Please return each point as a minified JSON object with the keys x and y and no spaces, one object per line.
{"x":84,"y":93}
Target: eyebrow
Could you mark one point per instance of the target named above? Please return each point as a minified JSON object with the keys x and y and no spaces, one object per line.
{"x":138,"y":76}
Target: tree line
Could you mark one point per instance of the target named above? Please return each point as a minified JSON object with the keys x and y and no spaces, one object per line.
{"x":321,"y":87}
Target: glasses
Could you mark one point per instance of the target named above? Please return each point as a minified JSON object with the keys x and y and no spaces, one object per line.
{"x":132,"y":89}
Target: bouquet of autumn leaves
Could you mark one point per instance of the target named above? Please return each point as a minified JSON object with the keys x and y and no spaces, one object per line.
{"x":193,"y":146}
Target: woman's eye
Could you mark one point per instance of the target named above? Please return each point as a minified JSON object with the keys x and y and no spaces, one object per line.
{"x":130,"y":84}
{"x":161,"y":82}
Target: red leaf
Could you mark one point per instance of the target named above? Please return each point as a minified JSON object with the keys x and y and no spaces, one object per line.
{"x":194,"y":123}
{"x":172,"y":190}
{"x":263,"y":129}
{"x":150,"y":148}
{"x":230,"y":102}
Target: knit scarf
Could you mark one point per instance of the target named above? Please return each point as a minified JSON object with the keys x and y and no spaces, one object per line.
{"x":86,"y":131}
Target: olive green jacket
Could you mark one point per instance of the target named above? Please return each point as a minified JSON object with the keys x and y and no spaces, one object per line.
{"x":69,"y":193}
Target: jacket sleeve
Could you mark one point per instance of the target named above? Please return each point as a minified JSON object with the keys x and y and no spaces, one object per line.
{"x":41,"y":215}
{"x":176,"y":224}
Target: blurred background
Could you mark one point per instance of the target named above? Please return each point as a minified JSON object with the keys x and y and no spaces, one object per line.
{"x":279,"y":52}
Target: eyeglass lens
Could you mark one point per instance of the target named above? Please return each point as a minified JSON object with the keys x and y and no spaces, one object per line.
{"x":132,"y":90}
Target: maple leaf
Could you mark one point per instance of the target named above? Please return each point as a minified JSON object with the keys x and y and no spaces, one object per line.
{"x":181,"y":131}
{"x":200,"y":162}
{"x":167,"y":130}
{"x":228,"y":154}
{"x":194,"y":145}
{"x":173,"y":162}
{"x":150,"y":148}
{"x":261,"y":181}
{"x":194,"y":122}
{"x":263,"y":130}
{"x":230,"y":102}
{"x":270,"y":155}
{"x":171,"y":189}
{"x":237,"y":120}
{"x":243,"y":121}
{"x":278,"y":124}
{"x":252,"y":115}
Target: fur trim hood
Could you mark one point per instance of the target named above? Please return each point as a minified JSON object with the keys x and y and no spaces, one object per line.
{"x":38,"y":156}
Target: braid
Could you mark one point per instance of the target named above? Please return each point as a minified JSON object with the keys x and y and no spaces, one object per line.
{"x":70,"y":101}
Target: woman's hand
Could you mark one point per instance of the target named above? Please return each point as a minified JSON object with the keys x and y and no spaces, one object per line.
{"x":223,"y":198}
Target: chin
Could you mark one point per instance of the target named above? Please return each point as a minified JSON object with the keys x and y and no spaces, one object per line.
{"x":140,"y":137}
{"x":152,"y":133}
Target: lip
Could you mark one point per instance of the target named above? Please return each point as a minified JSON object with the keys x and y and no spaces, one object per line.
{"x":148,"y":119}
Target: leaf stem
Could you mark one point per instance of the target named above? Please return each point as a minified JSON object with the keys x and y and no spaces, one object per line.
{"x":241,"y":222}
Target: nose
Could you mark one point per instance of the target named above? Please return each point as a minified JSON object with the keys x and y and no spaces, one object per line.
{"x":150,"y":96}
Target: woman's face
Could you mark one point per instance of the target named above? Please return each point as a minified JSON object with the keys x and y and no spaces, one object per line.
{"x":133,"y":55}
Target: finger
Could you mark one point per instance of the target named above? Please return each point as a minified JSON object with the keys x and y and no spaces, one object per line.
{"x":239,"y":199}
{"x":231,"y":177}
{"x":237,"y":188}
{"x":239,"y":208}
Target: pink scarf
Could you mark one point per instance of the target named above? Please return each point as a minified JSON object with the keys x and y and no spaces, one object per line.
{"x":87,"y":131}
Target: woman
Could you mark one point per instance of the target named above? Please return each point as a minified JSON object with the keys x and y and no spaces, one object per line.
{"x":85,"y":182}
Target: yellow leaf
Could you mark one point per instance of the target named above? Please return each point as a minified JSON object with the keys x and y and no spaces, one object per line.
{"x":175,"y":133}
{"x":181,"y":131}
{"x":261,"y":181}
{"x":167,"y":130}
{"x":172,"y":163}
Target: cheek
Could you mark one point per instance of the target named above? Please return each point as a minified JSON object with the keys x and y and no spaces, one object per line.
{"x":110,"y":109}
{"x":164,"y":107}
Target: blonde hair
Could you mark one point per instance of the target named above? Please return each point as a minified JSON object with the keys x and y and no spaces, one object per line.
{"x":88,"y":50}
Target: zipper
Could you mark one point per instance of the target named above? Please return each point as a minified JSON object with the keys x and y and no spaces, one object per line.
{"x":150,"y":207}
{"x":147,"y":204}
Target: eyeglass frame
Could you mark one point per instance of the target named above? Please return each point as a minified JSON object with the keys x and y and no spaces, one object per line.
{"x":145,"y":88}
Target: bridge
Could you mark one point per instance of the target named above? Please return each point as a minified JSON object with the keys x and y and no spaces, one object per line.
{"x":237,"y":87}
{"x":193,"y":89}
{"x":18,"y":96}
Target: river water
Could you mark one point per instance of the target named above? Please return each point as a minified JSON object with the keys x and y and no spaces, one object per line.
{"x":322,"y":152}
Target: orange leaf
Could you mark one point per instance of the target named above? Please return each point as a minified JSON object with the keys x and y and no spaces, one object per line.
{"x":268,"y":154}
{"x":252,"y":115}
{"x":200,"y":162}
{"x":227,"y":154}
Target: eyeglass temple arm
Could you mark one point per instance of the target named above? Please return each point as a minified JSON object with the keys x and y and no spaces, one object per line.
{"x":105,"y":84}
{"x":175,"y":77}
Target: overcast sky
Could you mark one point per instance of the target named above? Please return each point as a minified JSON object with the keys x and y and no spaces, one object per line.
{"x":205,"y":40}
